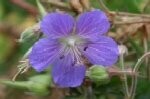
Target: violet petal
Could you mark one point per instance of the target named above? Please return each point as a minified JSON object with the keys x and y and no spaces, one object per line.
{"x":56,"y":25}
{"x":102,"y":52}
{"x":43,"y":53}
{"x":67,"y":74}
{"x":92,"y":24}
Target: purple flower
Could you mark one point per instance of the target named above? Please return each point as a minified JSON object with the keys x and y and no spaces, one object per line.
{"x":69,"y":41}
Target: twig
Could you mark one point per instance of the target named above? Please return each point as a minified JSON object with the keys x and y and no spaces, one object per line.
{"x":145,"y":45}
{"x":115,"y":17}
{"x":115,"y":71}
{"x":102,"y":5}
{"x":58,"y":4}
{"x":85,"y":4}
{"x":129,"y":20}
{"x":76,"y":6}
{"x":129,"y":14}
{"x":124,"y":17}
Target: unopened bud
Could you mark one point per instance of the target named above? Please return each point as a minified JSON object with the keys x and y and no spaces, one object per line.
{"x":38,"y":88}
{"x":29,"y":35}
{"x":98,"y":74}
{"x":122,"y":49}
{"x":39,"y":84}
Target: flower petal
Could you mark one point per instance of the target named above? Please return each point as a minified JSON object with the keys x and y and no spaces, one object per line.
{"x":103,"y":52}
{"x":67,"y":74}
{"x":56,"y":25}
{"x":91,"y":24}
{"x":43,"y":53}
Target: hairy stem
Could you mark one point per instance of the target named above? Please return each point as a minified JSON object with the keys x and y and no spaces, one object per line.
{"x":134,"y":77}
{"x":125,"y":82}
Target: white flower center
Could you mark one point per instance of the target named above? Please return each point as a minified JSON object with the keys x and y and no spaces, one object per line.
{"x":71,"y":44}
{"x":71,"y":41}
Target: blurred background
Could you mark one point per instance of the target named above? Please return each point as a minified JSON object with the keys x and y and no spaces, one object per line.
{"x":17,"y":15}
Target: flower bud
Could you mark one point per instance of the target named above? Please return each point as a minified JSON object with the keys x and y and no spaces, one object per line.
{"x":98,"y":74}
{"x":29,"y":35}
{"x":38,"y":88}
{"x":122,"y":49}
{"x":37,"y":84}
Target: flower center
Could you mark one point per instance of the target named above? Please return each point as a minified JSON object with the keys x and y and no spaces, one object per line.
{"x":71,"y":41}
{"x":71,"y":45}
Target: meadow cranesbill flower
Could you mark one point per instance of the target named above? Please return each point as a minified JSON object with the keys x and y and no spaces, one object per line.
{"x":68,"y":42}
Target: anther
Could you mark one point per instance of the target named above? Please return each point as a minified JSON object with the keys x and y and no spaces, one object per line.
{"x":85,"y":48}
{"x":61,"y":57}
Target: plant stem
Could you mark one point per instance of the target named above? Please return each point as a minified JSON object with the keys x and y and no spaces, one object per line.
{"x":125,"y":82}
{"x":88,"y":93}
{"x":134,"y":77}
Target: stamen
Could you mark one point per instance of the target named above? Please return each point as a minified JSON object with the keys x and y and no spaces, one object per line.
{"x":77,"y":55}
{"x":71,"y":44}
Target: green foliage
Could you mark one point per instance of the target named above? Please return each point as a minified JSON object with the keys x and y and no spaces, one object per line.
{"x":5,"y":45}
{"x":38,"y":84}
{"x":134,"y":6}
{"x":7,"y":7}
